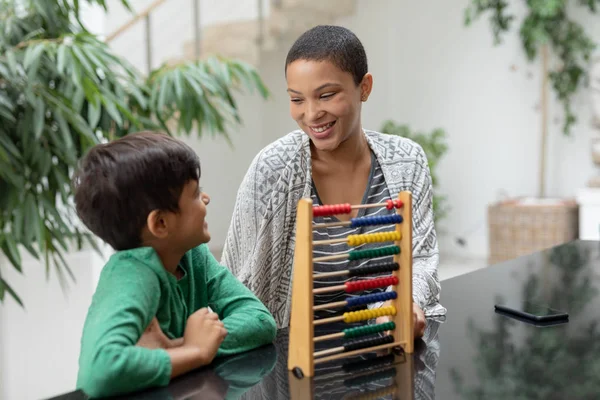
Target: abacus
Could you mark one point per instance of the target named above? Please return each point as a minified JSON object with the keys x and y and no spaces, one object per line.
{"x":301,"y":355}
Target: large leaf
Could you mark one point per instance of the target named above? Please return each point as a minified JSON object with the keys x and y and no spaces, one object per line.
{"x":200,"y":92}
{"x":5,"y":287}
{"x":9,"y":247}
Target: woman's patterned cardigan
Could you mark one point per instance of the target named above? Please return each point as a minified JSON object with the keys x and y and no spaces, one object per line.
{"x":259,"y":248}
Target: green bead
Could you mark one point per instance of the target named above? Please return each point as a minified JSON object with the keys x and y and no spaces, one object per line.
{"x":368,"y":330}
{"x":382,"y":251}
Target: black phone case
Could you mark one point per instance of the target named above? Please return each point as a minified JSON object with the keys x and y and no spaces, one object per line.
{"x":560,"y":316}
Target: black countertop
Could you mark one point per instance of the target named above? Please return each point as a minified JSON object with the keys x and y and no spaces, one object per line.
{"x":473,"y":353}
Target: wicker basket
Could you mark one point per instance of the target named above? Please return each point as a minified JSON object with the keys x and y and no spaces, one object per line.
{"x":524,"y":226}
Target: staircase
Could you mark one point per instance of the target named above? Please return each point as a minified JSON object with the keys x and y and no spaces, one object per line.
{"x":272,"y":23}
{"x":285,"y":20}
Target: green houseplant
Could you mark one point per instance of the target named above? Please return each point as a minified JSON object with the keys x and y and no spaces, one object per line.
{"x":434,"y":145}
{"x":62,"y":90}
{"x":550,"y":35}
{"x":546,"y":26}
{"x":548,"y":30}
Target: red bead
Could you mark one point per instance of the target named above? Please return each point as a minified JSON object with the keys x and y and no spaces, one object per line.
{"x":319,"y":211}
{"x":370,"y":284}
{"x":397,"y":203}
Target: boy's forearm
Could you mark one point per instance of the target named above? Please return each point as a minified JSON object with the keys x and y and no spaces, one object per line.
{"x":247,"y":333}
{"x":248,"y":322}
{"x":185,"y":359}
{"x":117,"y":370}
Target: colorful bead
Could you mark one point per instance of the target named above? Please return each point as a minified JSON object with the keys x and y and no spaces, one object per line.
{"x":393,"y":204}
{"x":376,"y":220}
{"x":351,"y":333}
{"x":368,"y":342}
{"x":373,"y":253}
{"x":333,"y":209}
{"x":355,"y":240}
{"x":370,"y":284}
{"x":363,"y":315}
{"x":371,"y":298}
{"x":373,"y":269}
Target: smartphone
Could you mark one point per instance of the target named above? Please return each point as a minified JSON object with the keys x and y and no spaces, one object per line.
{"x":532,"y":312}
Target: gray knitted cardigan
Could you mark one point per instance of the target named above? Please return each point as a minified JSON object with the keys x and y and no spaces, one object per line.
{"x":259,"y":248}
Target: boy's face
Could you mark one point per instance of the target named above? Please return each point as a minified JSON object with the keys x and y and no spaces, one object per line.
{"x":191,"y":226}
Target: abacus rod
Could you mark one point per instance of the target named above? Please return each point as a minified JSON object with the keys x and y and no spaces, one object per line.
{"x":328,"y":320}
{"x":358,"y":352}
{"x":330,"y":258}
{"x":329,"y":337}
{"x":332,"y":224}
{"x":330,"y":241}
{"x":331,"y":274}
{"x":327,"y":352}
{"x":329,"y":289}
{"x":328,"y":305}
{"x":357,"y":206}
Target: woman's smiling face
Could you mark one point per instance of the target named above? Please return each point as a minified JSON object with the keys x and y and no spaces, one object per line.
{"x":325,"y":101}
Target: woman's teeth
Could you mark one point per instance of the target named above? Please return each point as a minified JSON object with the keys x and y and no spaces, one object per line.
{"x":323,"y":128}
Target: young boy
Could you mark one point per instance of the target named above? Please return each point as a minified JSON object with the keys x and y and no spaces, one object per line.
{"x":149,"y":319}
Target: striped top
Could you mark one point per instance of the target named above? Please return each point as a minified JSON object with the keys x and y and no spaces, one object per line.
{"x":376,"y":192}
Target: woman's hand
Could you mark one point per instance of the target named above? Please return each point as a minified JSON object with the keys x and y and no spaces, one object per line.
{"x":419,"y":323}
{"x":154,"y":338}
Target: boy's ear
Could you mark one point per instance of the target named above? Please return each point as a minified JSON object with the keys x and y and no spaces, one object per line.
{"x":158,"y":224}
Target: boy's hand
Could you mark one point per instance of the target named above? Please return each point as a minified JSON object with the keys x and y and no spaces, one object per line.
{"x":154,"y":338}
{"x":205,"y":333}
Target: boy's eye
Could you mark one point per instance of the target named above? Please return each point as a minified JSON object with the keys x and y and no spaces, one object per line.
{"x":327,"y":95}
{"x":295,"y":100}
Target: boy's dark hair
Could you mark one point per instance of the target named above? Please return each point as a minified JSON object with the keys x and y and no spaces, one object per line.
{"x":335,"y":44}
{"x":118,"y":184}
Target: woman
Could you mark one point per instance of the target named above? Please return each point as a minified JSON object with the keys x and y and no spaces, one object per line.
{"x":332,"y":160}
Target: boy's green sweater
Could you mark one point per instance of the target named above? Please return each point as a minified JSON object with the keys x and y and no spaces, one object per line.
{"x":133,"y":288}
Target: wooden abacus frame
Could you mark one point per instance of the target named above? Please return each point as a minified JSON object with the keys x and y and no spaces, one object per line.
{"x":301,"y":355}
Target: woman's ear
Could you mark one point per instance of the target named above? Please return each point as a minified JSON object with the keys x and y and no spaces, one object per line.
{"x":157,"y":224}
{"x":366,"y":85}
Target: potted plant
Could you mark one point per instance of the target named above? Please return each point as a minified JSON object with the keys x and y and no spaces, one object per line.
{"x":62,"y":90}
{"x":546,"y":30}
{"x":434,"y":145}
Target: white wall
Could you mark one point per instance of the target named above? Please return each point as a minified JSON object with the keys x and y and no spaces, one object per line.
{"x":43,"y":340}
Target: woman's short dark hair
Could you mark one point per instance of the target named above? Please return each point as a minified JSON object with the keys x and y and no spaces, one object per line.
{"x":118,"y":184}
{"x":335,"y":44}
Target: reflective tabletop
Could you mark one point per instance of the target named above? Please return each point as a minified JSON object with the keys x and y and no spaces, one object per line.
{"x":472,"y":353}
